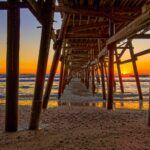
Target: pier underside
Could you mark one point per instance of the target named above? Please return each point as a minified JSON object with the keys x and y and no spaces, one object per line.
{"x":93,"y":37}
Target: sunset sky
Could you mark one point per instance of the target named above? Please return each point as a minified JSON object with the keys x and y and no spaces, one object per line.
{"x":30,"y":40}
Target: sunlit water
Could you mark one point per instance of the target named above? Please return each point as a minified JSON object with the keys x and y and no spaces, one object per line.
{"x":27,"y":83}
{"x":131,"y":105}
{"x":26,"y":86}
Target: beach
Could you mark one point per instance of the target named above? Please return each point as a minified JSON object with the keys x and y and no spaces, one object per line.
{"x":74,"y":75}
{"x":78,"y":127}
{"x":78,"y":122}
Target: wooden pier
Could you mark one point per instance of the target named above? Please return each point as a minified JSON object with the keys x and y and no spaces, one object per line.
{"x":94,"y":36}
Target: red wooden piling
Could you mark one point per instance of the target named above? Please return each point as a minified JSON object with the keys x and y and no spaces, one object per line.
{"x":12,"y":75}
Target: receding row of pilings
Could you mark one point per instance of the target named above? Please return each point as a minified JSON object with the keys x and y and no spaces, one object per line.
{"x":90,"y":73}
{"x":13,"y":37}
{"x":110,"y":80}
{"x":110,"y":86}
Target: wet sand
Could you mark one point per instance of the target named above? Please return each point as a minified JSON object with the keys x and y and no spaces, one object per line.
{"x":66,"y":128}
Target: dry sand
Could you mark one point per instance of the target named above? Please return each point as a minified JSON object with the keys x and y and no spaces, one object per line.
{"x":79,"y":128}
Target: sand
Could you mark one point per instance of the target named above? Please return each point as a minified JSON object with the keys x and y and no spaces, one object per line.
{"x":75,"y":128}
{"x":79,"y":127}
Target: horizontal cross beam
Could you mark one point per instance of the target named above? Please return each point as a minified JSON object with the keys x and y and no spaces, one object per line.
{"x":101,"y":13}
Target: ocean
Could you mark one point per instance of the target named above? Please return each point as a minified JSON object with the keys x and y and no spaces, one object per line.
{"x":27,"y":83}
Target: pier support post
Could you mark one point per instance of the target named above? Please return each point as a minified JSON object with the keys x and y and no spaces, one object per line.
{"x":55,"y":61}
{"x":12,"y":75}
{"x":119,"y":71}
{"x":65,"y":76}
{"x":110,"y":77}
{"x":87,"y":81}
{"x":93,"y":80}
{"x":135,"y":70}
{"x":97,"y":75}
{"x":105,"y":71}
{"x":103,"y":80}
{"x":61,"y":79}
{"x":52,"y":74}
{"x":42,"y":64}
{"x":111,"y":68}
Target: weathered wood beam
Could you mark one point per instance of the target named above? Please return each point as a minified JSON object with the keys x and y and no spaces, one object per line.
{"x":141,"y":36}
{"x":87,"y":36}
{"x":12,"y":75}
{"x":142,"y":53}
{"x":35,"y":9}
{"x":88,"y":26}
{"x":78,"y":58}
{"x":6,"y":5}
{"x":123,"y":50}
{"x":102,"y":52}
{"x":95,"y":13}
{"x":136,"y":25}
{"x":42,"y":64}
{"x":127,"y":61}
{"x":38,"y":11}
{"x":78,"y":48}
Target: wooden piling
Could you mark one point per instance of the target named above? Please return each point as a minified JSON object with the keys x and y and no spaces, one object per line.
{"x":135,"y":71}
{"x":93,"y":80}
{"x":93,"y":73}
{"x":65,"y":76}
{"x":55,"y":61}
{"x":52,"y":75}
{"x":119,"y":71}
{"x":42,"y":64}
{"x":97,"y":75}
{"x":105,"y":71}
{"x":110,"y":68}
{"x":12,"y":75}
{"x":110,"y":77}
{"x":103,"y":80}
{"x":61,"y":79}
{"x":88,"y":75}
